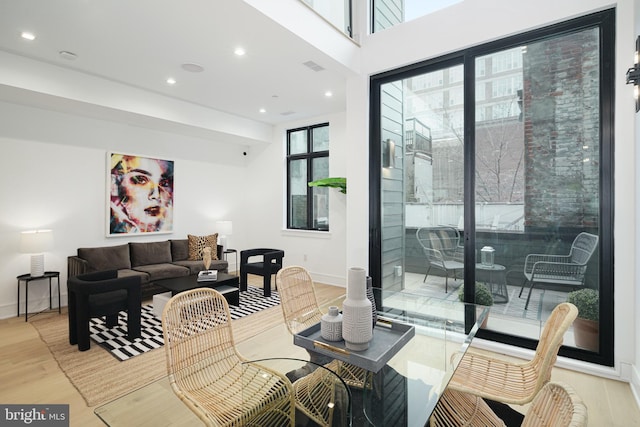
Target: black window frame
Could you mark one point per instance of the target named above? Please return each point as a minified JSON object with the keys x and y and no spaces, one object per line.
{"x":605,"y":21}
{"x":309,"y":156}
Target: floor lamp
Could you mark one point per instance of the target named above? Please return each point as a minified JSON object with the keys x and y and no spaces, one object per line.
{"x":36,"y":242}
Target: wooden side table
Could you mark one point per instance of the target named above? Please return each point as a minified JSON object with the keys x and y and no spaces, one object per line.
{"x":26,"y":278}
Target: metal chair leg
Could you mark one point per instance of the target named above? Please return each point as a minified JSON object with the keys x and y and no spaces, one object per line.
{"x":524,"y":283}
{"x":526,"y":306}
{"x":426,"y":274}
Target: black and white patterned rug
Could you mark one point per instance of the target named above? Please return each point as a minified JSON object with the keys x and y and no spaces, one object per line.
{"x":115,"y":339}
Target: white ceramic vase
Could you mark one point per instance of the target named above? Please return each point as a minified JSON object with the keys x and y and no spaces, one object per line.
{"x":356,"y":312}
{"x":331,"y":325}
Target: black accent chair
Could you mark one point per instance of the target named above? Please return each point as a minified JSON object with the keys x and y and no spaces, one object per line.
{"x":270,"y":263}
{"x":100,"y":294}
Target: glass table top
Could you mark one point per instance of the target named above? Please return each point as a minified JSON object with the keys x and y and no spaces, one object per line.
{"x":403,"y":392}
{"x":407,"y":389}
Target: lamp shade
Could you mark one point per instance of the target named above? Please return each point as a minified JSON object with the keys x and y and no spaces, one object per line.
{"x":36,"y":241}
{"x":224,"y":228}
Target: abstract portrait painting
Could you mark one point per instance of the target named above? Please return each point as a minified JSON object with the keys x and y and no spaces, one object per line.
{"x":140,"y":192}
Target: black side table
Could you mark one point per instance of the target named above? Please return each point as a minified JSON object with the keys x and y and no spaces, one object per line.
{"x":26,"y":278}
{"x":231,"y":251}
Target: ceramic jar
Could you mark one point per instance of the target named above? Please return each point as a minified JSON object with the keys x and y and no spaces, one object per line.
{"x":357,"y":319}
{"x":331,"y":325}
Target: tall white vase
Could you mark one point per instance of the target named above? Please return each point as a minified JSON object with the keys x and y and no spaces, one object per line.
{"x":356,"y":312}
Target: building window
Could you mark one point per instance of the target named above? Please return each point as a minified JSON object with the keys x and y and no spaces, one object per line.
{"x":307,"y":160}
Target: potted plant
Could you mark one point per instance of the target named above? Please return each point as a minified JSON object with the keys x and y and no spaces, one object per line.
{"x":339,"y":183}
{"x":483,"y":297}
{"x":586,"y":327}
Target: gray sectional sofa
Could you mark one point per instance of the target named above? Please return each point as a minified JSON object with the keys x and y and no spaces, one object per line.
{"x":150,"y":260}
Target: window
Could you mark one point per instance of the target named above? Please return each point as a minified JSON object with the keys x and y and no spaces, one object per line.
{"x":337,"y":13}
{"x":387,"y":13}
{"x":307,"y":160}
{"x":513,"y":163}
{"x":507,"y":60}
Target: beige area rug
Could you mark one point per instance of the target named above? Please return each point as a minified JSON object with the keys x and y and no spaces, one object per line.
{"x":100,"y":377}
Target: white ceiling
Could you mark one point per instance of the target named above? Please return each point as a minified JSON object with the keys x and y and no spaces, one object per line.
{"x":141,"y":43}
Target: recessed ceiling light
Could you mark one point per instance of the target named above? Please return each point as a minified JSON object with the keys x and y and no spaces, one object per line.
{"x":262,"y":110}
{"x":328,"y":94}
{"x":27,"y":35}
{"x":171,"y":81}
{"x":239,"y":51}
{"x":193,"y":68}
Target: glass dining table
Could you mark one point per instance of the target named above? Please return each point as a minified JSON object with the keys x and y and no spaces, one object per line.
{"x":403,"y":384}
{"x":422,"y":340}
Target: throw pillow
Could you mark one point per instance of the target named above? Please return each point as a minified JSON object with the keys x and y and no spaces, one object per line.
{"x":198,"y":243}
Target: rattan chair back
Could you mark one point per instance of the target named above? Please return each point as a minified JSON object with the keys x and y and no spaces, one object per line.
{"x":551,"y":340}
{"x":510,"y":382}
{"x":297,"y":299}
{"x":301,"y":311}
{"x":207,"y":372}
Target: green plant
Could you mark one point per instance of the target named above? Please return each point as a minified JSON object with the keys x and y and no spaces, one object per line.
{"x":483,"y":296}
{"x":339,"y":183}
{"x":588,"y":303}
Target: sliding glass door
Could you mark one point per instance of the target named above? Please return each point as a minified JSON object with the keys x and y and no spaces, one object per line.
{"x":494,"y":172}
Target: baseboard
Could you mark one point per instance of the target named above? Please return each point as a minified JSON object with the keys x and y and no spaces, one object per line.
{"x":7,"y":311}
{"x":635,"y":384}
{"x":328,"y":279}
{"x":35,"y":305}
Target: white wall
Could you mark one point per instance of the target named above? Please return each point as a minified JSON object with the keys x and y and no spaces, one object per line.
{"x":55,"y":169}
{"x":55,"y":177}
{"x":635,"y":369}
{"x":265,"y":215}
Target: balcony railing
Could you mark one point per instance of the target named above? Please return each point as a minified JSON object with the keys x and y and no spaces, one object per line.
{"x":336,"y":12}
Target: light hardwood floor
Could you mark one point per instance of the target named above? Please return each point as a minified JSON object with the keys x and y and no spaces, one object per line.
{"x":30,"y":375}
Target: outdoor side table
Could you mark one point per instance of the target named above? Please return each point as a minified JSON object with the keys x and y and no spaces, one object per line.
{"x":26,"y":278}
{"x":494,"y":276}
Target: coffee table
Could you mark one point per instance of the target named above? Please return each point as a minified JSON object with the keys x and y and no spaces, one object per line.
{"x":226,"y":284}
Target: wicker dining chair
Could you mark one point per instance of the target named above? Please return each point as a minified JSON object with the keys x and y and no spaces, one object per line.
{"x":300,"y":309}
{"x":556,"y":405}
{"x":515,"y":383}
{"x":209,"y":375}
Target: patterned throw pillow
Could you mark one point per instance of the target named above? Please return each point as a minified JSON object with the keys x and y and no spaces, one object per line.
{"x":198,"y":243}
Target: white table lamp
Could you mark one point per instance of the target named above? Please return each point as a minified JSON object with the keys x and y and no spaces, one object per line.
{"x":224,"y":228}
{"x":36,"y":242}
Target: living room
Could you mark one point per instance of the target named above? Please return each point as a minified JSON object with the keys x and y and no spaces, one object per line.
{"x":56,"y":141}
